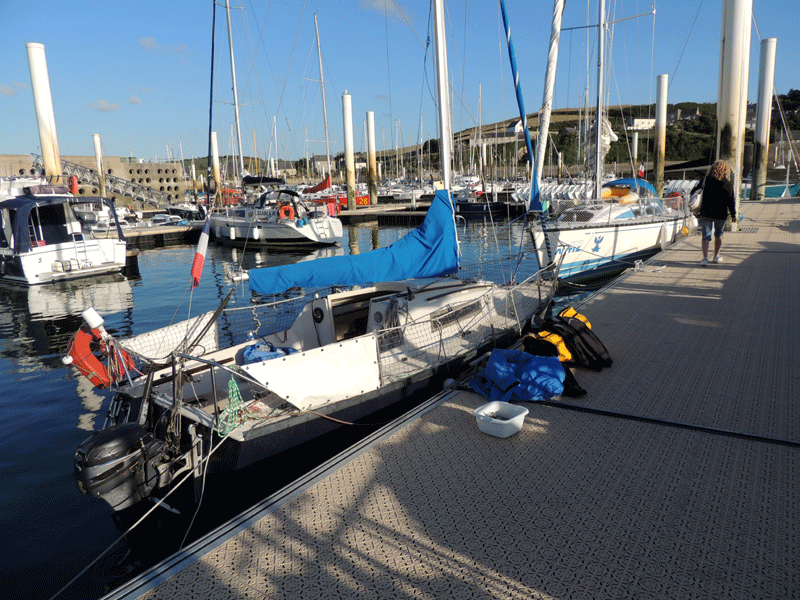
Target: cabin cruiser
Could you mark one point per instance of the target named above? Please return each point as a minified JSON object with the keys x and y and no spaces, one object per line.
{"x":42,"y":240}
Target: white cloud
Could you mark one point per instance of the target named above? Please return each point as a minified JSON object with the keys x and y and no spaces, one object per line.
{"x":150,"y":43}
{"x":7,"y":90}
{"x":104,"y":106}
{"x":134,"y":100}
{"x":389,"y":8}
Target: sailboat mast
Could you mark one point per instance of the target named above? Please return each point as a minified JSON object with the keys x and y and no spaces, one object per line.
{"x":599,"y":112}
{"x":235,"y":96}
{"x":442,"y":79}
{"x":324,"y":109}
{"x":549,"y":87}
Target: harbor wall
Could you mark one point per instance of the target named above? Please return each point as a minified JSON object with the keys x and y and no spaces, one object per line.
{"x":165,"y":177}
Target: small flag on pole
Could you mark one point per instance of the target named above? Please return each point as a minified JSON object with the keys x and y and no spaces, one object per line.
{"x":200,"y":255}
{"x":641,"y":171}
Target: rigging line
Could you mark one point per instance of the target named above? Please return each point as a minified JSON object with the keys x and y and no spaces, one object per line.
{"x":591,"y":26}
{"x":686,"y":43}
{"x":464,"y":104}
{"x":388,"y":67}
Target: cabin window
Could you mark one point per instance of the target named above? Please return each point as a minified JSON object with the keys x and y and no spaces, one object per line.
{"x":7,"y":230}
{"x":450,"y":315}
{"x":47,"y":225}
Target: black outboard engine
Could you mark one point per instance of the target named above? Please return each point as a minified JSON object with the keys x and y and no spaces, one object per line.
{"x":119,"y":464}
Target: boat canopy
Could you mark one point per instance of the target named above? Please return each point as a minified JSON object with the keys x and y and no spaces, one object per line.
{"x":262,"y":180}
{"x":640,"y":186}
{"x":431,"y":250}
{"x":43,"y":216}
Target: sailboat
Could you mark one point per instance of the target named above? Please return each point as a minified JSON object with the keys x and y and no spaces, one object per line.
{"x":334,"y":340}
{"x":602,"y":225}
{"x":278,"y":217}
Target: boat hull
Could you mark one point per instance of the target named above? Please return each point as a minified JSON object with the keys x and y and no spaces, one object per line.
{"x":238,"y":232}
{"x":63,"y":262}
{"x":592,"y":251}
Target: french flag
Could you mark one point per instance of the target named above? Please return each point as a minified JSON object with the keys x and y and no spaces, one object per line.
{"x":200,"y":255}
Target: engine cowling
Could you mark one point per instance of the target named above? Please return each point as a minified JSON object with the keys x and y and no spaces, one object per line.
{"x":118,"y":464}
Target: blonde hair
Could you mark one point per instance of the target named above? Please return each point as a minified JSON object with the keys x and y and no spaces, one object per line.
{"x":720,"y":170}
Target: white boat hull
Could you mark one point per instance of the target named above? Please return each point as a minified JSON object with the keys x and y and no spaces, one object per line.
{"x":592,"y":250}
{"x":60,"y":262}
{"x":236,"y":232}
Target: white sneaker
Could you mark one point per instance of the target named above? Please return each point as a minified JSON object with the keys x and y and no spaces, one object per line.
{"x":717,"y":259}
{"x":704,"y":262}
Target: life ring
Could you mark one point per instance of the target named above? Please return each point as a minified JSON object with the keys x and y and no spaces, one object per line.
{"x":73,"y":185}
{"x":80,"y":350}
{"x":287,"y":211}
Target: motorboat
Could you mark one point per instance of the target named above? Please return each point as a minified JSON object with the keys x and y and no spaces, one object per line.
{"x":231,"y":387}
{"x":476,"y":204}
{"x":278,"y":218}
{"x":42,"y":240}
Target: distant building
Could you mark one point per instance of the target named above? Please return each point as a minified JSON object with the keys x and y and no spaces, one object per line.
{"x":286,"y":168}
{"x":683,"y":114}
{"x":640,"y":124}
{"x":319,"y":163}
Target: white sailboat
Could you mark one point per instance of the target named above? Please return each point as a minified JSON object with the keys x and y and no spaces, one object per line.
{"x":601,"y":226}
{"x":279,"y":217}
{"x":370,"y":330}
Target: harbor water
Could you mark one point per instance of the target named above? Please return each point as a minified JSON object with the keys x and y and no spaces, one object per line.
{"x":52,"y":531}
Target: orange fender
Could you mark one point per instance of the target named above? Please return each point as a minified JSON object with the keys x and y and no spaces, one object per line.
{"x":73,"y":185}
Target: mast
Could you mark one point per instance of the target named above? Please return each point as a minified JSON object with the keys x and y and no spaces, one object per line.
{"x":324,"y":109}
{"x":599,"y":112}
{"x":235,"y":96}
{"x":549,"y":87}
{"x":442,"y":78}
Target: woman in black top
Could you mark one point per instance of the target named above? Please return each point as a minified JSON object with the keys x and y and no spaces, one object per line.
{"x":717,"y":201}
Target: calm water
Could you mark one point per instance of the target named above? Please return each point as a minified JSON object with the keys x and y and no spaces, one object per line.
{"x":51,"y":531}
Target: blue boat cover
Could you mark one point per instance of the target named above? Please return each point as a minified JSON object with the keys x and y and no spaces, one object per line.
{"x":516,"y":376}
{"x":640,"y":186}
{"x":431,"y":250}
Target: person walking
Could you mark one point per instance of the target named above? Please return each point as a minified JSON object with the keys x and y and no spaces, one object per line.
{"x":717,"y":202}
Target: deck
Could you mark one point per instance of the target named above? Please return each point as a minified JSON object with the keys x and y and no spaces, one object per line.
{"x":674,"y":477}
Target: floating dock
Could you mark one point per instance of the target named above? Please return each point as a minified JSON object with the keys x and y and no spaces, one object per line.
{"x":674,"y":477}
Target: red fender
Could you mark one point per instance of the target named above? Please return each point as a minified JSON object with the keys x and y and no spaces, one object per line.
{"x":73,"y":185}
{"x":89,"y":365}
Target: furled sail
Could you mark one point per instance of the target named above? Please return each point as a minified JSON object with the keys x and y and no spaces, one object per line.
{"x":431,"y":250}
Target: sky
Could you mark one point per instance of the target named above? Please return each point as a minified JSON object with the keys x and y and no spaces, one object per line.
{"x":139,"y":73}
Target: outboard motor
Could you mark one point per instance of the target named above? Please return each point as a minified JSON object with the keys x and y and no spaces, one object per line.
{"x":119,"y":464}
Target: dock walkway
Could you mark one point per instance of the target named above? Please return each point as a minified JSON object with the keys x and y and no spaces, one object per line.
{"x":674,"y":477}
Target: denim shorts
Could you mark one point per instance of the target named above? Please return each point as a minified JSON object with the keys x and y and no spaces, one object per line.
{"x":706,"y":225}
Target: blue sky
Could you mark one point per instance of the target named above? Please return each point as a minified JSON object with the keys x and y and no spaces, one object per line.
{"x":138,"y":73}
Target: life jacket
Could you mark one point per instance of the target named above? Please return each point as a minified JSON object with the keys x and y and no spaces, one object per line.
{"x":542,"y":346}
{"x":577,"y":344}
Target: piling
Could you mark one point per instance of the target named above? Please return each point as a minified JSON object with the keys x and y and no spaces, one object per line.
{"x":45,"y":117}
{"x":349,"y":161}
{"x":661,"y":132}
{"x":766,"y":75}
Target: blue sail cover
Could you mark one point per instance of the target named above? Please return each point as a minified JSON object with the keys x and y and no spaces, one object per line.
{"x":431,"y":250}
